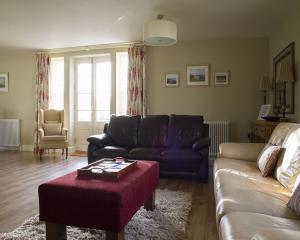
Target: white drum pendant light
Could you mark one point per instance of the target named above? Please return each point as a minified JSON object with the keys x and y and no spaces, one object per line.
{"x":160,"y":32}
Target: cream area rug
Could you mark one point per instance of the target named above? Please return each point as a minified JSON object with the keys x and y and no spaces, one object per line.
{"x":166,"y":222}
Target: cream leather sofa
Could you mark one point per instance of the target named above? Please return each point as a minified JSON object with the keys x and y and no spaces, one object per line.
{"x":248,"y":205}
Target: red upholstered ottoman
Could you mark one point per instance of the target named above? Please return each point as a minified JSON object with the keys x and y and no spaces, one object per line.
{"x":95,"y":203}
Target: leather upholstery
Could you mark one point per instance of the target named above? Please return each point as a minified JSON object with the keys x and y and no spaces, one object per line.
{"x":179,"y":160}
{"x":243,"y":225}
{"x":288,"y":165}
{"x":201,"y":143}
{"x":241,"y":151}
{"x":147,"y":139}
{"x":248,"y":205}
{"x":110,"y":152}
{"x":145,"y":154}
{"x":153,"y":131}
{"x":184,"y":130}
{"x":276,"y":234}
{"x":100,"y":140}
{"x":123,"y":130}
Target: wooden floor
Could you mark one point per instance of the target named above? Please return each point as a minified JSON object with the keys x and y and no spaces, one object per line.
{"x":21,"y":173}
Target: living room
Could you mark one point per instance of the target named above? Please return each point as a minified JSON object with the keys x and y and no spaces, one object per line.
{"x":217,"y":73}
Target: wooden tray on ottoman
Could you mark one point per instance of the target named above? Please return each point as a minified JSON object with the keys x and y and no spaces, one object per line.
{"x":107,"y":168}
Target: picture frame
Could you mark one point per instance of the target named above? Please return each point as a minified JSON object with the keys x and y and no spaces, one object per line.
{"x":172,"y":80}
{"x":197,"y":75}
{"x":265,"y":111}
{"x":4,"y":82}
{"x":222,"y":78}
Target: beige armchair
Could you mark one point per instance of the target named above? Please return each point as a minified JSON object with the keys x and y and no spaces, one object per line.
{"x":52,"y":134}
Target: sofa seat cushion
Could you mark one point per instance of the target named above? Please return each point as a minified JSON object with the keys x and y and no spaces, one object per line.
{"x":243,"y":225}
{"x":231,"y":199}
{"x":111,"y":152}
{"x":277,"y":234}
{"x":180,"y":160}
{"x":145,"y":154}
{"x":244,"y":175}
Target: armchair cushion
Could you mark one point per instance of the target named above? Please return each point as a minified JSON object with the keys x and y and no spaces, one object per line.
{"x":53,"y":138}
{"x":100,"y":140}
{"x":52,"y":129}
{"x":201,"y":143}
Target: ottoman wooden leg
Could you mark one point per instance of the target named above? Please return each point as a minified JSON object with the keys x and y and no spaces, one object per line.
{"x":115,"y":235}
{"x":55,"y":231}
{"x":150,"y":203}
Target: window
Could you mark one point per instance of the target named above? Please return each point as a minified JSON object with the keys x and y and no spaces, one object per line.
{"x":93,"y":88}
{"x":121,"y":82}
{"x":56,"y":84}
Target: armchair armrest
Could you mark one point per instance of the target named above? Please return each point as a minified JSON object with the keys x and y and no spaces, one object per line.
{"x":64,"y":132}
{"x":241,"y":151}
{"x":100,"y":140}
{"x":201,"y":143}
{"x":41,"y":132}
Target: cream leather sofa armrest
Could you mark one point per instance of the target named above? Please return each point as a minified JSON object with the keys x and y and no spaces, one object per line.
{"x":277,"y":234}
{"x":41,"y":132}
{"x":241,"y":151}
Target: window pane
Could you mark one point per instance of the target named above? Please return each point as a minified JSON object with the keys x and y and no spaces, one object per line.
{"x":121,"y":82}
{"x":56,"y":84}
{"x":84,"y":116}
{"x":103,"y":88}
{"x":84,"y":84}
{"x":84,"y":101}
{"x":102,"y":115}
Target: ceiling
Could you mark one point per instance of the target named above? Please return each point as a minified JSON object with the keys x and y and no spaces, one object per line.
{"x":48,"y":24}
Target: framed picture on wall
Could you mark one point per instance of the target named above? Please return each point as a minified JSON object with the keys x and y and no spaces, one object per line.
{"x":4,"y":82}
{"x":198,"y":75}
{"x":172,"y":80}
{"x":222,"y":78}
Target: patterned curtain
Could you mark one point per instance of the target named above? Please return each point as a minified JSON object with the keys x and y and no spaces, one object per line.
{"x":42,"y":89}
{"x":136,"y":97}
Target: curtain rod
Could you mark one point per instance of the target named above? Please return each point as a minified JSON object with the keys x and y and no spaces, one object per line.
{"x":89,"y":47}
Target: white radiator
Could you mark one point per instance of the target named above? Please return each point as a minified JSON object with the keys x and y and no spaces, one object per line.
{"x":9,"y":132}
{"x":218,"y":133}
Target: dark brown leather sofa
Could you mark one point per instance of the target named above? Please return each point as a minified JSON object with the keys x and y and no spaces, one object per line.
{"x":178,"y":142}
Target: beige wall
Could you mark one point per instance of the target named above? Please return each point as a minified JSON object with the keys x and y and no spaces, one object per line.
{"x":19,"y":101}
{"x":286,"y":33}
{"x":247,"y":61}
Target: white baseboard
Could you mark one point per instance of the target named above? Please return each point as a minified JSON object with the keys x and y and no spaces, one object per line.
{"x":72,"y":149}
{"x":9,"y":148}
{"x":27,"y":148}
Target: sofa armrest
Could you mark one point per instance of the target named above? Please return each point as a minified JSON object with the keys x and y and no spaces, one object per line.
{"x":241,"y":151}
{"x":100,"y":140}
{"x":201,"y":143}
